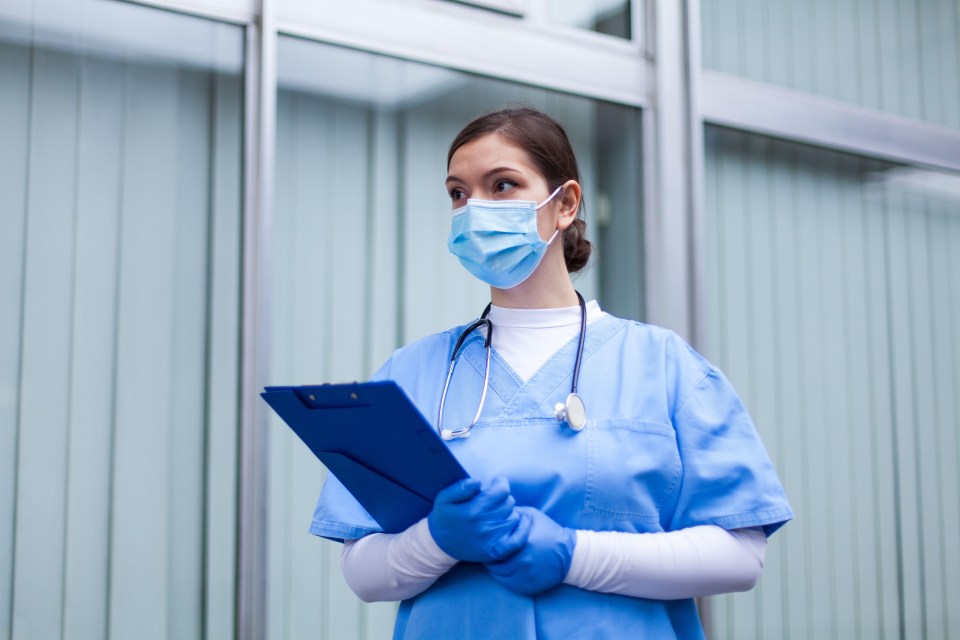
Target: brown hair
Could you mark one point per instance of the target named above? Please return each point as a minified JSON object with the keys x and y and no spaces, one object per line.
{"x":545,"y":141}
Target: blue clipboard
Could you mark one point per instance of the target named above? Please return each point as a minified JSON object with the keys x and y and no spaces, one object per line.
{"x":375,"y":441}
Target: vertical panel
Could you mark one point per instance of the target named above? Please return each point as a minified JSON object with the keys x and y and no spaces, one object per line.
{"x":737,"y":326}
{"x":282,"y":227}
{"x":803,"y":41}
{"x":870,"y":76}
{"x":140,"y":603}
{"x":930,"y":521}
{"x":945,"y":260}
{"x":943,"y":238}
{"x":835,"y":449}
{"x":614,"y":217}
{"x":188,"y":256}
{"x":751,"y":20}
{"x":300,"y":348}
{"x":764,"y":405}
{"x":45,"y":380}
{"x":14,"y":131}
{"x":908,"y":40}
{"x":823,"y":39}
{"x":348,"y":192}
{"x":382,"y":237}
{"x":223,"y":365}
{"x":948,"y":53}
{"x":322,"y":196}
{"x":91,"y":400}
{"x":882,"y":425}
{"x":793,"y":540}
{"x":903,"y":410}
{"x":931,"y":41}
{"x":860,"y":467}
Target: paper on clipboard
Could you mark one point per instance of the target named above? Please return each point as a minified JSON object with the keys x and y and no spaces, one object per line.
{"x":375,"y":441}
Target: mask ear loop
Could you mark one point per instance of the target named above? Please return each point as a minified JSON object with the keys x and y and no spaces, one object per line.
{"x":555,"y":192}
{"x":549,"y":198}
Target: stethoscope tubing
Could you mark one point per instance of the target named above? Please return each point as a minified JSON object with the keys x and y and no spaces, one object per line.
{"x":484,"y":321}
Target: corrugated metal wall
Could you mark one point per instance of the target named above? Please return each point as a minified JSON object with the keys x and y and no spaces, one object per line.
{"x":120,"y":249}
{"x":898,"y":56}
{"x":833,"y":300}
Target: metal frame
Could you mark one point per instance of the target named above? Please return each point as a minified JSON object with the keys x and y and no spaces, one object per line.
{"x":259,"y":134}
{"x":481,"y":42}
{"x":775,"y":111}
{"x":663,"y":75}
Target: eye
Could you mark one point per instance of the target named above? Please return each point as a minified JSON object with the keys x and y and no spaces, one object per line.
{"x":456,"y":194}
{"x":504,"y":185}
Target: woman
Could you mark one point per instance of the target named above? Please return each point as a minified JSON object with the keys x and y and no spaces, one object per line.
{"x":606,"y":529}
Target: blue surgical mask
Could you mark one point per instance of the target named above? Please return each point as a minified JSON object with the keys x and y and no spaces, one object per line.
{"x":497,"y":240}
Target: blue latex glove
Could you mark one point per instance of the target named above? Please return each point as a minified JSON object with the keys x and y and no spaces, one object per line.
{"x":543,"y":562}
{"x":474,"y":523}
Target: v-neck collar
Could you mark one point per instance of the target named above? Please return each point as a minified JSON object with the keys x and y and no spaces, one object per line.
{"x":523,"y":398}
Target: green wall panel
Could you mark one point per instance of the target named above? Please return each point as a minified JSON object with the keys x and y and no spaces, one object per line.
{"x":119,"y":324}
{"x":828,"y":293}
{"x":898,"y":56}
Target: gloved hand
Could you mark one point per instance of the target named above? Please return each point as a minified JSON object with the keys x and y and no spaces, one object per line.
{"x":543,"y":562}
{"x":475,"y":523}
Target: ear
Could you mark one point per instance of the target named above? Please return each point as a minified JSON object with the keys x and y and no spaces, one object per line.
{"x":569,"y":204}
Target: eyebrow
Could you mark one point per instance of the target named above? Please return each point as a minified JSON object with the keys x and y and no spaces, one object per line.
{"x":452,"y":178}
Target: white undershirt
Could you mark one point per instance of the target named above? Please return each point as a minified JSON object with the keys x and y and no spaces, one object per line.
{"x":701,"y":560}
{"x":526,"y":338}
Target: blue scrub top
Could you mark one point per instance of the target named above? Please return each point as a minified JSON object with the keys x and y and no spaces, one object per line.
{"x":667,"y":445}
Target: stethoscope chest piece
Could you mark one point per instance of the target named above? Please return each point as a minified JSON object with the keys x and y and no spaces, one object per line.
{"x":572,"y":412}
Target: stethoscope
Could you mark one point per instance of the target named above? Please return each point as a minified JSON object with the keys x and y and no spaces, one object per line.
{"x":573,"y":412}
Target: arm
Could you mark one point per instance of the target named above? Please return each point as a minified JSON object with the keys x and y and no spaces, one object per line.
{"x":468,"y":522}
{"x":698,"y":561}
{"x":389,"y":567}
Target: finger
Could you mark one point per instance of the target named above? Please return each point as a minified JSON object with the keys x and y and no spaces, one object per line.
{"x":498,"y":485}
{"x":513,"y":542}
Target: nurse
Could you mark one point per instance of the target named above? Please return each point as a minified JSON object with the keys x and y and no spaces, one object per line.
{"x":606,"y":531}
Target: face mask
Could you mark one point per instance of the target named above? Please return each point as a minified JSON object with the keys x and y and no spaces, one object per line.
{"x":497,"y":240}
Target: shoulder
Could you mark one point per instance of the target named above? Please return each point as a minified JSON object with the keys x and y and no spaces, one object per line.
{"x":665,"y":343}
{"x":662,"y":354}
{"x":423,"y":352}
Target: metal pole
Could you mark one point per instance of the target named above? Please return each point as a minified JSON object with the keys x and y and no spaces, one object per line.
{"x":259,"y":129}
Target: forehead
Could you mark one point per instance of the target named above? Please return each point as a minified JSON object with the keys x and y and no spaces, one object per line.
{"x":490,"y":150}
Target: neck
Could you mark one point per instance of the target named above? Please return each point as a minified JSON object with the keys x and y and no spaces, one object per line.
{"x":537,"y":295}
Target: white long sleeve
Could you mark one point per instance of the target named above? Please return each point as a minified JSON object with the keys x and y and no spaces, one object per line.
{"x":385,"y":567}
{"x":699,"y":561}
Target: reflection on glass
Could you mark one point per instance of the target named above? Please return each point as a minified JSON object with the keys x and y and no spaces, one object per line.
{"x":896,"y":56}
{"x":832,"y":301}
{"x":360,"y":257}
{"x":611,"y":17}
{"x":120,"y":184}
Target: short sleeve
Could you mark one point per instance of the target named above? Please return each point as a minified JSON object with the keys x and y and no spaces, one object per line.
{"x":338,"y":516}
{"x":728,"y":479}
